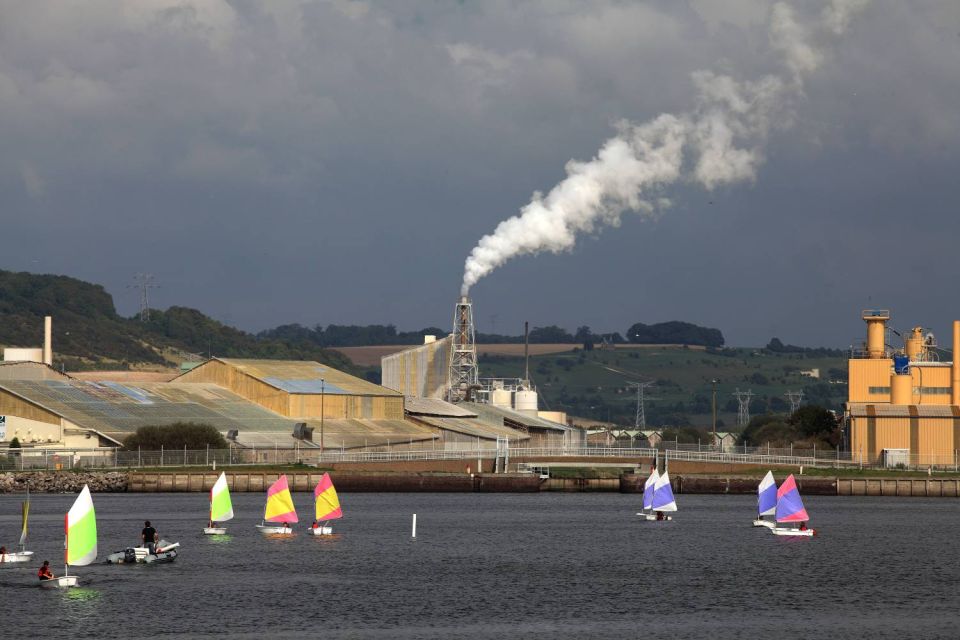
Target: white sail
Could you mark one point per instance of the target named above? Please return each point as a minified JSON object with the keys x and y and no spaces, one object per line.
{"x":648,"y":489}
{"x":663,"y":499}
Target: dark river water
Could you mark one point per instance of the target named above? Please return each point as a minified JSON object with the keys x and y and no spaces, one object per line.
{"x":500,"y":566}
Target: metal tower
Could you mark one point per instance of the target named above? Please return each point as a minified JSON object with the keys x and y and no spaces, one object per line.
{"x":795,"y":398}
{"x":743,"y":397}
{"x":144,"y":282}
{"x":641,"y":419}
{"x":463,"y":376}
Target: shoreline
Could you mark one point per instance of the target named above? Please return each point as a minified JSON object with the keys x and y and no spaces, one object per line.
{"x":363,"y":482}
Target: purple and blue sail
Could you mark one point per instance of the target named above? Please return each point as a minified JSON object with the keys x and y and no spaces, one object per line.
{"x":767,"y":496}
{"x":648,"y":489}
{"x":663,"y":499}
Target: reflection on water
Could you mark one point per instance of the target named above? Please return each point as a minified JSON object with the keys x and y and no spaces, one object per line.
{"x":501,"y":566}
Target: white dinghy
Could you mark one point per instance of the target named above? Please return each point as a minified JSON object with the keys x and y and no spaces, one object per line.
{"x":790,"y":509}
{"x":663,"y":500}
{"x":326,"y":505}
{"x":221,"y":508}
{"x":80,"y":545}
{"x":647,"y":511}
{"x":22,"y":555}
{"x":279,"y":509}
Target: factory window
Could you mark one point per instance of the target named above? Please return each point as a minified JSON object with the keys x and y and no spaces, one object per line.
{"x":932,"y":391}
{"x":879,"y":390}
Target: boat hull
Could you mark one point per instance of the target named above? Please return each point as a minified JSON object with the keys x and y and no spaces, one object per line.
{"x":764,"y":523}
{"x":320,"y":531}
{"x":214,"y":531}
{"x":791,"y":532}
{"x":652,"y":517}
{"x":165,"y":552}
{"x":274,"y":530}
{"x":17,"y":556}
{"x":63,"y":582}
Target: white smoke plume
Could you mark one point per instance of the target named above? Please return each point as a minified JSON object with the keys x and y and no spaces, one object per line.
{"x":720,"y":141}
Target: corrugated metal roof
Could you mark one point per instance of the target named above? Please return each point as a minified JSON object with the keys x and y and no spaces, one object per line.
{"x":369,"y":433}
{"x":867,"y":409}
{"x":435,"y":407}
{"x":118,"y":410}
{"x":473,"y":428}
{"x":304,"y":376}
{"x":500,"y":415}
{"x":29,"y":371}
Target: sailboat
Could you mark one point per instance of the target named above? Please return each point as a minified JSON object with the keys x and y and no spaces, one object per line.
{"x":221,"y":509}
{"x":23,"y":555}
{"x":766,"y":501}
{"x":663,"y":499}
{"x":790,"y":509}
{"x":279,"y":509}
{"x":80,"y":546}
{"x":648,"y":495}
{"x":327,"y":506}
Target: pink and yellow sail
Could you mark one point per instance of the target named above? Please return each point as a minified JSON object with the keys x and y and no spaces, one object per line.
{"x":326,"y":500}
{"x":280,"y":503}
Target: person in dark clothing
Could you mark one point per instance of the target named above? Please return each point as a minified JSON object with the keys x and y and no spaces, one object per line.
{"x":44,"y":573}
{"x":149,"y":537}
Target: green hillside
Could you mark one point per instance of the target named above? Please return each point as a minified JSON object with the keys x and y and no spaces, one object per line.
{"x":88,"y":333}
{"x":594,"y":384}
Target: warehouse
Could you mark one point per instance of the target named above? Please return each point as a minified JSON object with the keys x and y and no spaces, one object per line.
{"x":73,"y":413}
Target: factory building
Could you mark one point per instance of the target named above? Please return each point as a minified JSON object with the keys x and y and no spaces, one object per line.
{"x":903,"y":404}
{"x":420,"y":372}
{"x":74,"y":413}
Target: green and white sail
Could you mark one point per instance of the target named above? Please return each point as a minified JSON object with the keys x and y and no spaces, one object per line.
{"x":221,"y":509}
{"x":81,"y":526}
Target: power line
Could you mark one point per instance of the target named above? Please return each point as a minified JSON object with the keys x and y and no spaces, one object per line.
{"x":144,"y":282}
{"x":743,"y":397}
{"x":640,"y":422}
{"x":795,"y":398}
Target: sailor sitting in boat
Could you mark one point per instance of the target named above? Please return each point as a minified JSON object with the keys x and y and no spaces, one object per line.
{"x":44,"y":573}
{"x":803,"y":526}
{"x":3,"y":554}
{"x":149,"y":537}
{"x":661,"y":516}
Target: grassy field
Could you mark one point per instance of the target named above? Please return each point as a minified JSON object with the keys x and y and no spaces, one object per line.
{"x":595,"y":384}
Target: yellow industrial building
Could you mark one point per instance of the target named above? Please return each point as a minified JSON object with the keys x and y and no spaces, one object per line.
{"x":903,"y":404}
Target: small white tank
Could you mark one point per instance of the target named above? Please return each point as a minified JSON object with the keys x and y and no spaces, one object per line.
{"x":501,"y":398}
{"x":525,"y":401}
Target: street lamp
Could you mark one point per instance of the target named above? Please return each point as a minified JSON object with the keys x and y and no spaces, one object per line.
{"x":714,"y":381}
{"x":322,"y":386}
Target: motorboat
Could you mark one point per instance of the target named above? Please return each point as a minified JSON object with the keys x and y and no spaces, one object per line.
{"x":164,"y":551}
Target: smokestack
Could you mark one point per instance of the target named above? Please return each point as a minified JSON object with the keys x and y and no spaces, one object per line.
{"x":48,"y":341}
{"x":955,"y":368}
{"x":526,"y":352}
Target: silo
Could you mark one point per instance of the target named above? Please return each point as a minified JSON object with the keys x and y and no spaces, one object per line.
{"x":501,"y":398}
{"x":876,"y":320}
{"x":525,"y":401}
{"x":901,"y":382}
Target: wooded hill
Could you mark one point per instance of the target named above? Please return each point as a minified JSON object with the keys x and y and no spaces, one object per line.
{"x":88,"y":333}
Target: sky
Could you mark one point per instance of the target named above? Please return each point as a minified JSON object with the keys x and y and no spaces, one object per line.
{"x":336,"y":162}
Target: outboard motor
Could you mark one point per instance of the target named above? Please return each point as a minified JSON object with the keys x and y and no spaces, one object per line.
{"x":130,"y":555}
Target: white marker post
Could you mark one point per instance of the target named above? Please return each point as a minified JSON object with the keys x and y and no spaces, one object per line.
{"x":414,"y":531}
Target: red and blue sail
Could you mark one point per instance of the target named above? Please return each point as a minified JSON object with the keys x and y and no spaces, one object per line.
{"x":789,"y":505}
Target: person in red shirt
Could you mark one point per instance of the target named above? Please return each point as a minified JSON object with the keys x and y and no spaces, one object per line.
{"x":44,"y":573}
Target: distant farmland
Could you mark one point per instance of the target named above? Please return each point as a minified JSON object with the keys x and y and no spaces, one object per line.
{"x":370,"y":356}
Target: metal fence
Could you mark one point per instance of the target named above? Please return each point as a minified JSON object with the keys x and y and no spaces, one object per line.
{"x":67,"y":459}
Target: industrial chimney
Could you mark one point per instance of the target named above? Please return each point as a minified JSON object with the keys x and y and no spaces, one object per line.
{"x":48,"y":341}
{"x":463,"y":376}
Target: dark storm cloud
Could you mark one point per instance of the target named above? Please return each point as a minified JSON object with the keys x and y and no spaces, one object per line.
{"x":336,"y":161}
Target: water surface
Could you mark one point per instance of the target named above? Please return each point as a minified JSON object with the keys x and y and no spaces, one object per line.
{"x":500,"y":566}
